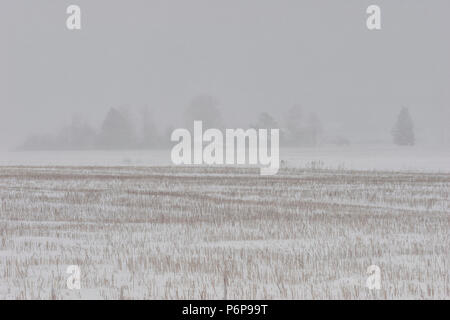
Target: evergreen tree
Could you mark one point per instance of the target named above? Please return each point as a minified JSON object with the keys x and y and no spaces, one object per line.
{"x":265,"y":121}
{"x":116,"y":132}
{"x":403,"y":131}
{"x":204,"y":108}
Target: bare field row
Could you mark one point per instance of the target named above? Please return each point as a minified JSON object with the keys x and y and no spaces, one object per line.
{"x":201,"y":233}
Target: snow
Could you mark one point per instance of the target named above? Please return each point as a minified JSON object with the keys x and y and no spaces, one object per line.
{"x":157,"y":235}
{"x":355,"y":157}
{"x":389,"y":158}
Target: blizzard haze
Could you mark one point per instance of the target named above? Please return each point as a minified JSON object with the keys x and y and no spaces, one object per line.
{"x":252,"y":56}
{"x":94,"y":204}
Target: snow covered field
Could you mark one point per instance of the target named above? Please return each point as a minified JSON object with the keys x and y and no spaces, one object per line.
{"x":391,"y":158}
{"x":166,"y":232}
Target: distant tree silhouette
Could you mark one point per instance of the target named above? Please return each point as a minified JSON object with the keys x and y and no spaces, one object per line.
{"x":39,"y":142}
{"x":204,"y":108}
{"x":116,"y":131}
{"x":403,"y":131}
{"x":78,"y":135}
{"x":301,"y":129}
{"x":265,"y":121}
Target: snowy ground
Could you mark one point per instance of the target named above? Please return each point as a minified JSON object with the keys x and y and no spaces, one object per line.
{"x":429,"y":159}
{"x":174,"y":233}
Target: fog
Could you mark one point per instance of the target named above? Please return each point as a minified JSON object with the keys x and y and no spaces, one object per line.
{"x":252,"y":56}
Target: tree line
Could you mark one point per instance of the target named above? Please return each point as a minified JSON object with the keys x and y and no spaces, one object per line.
{"x":123,"y":129}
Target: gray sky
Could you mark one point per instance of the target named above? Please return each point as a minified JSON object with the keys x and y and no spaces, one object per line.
{"x":252,"y":55}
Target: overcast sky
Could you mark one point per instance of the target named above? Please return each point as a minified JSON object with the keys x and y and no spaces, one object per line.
{"x":252,"y":55}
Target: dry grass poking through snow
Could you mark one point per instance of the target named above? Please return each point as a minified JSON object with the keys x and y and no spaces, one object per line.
{"x":178,"y":232}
